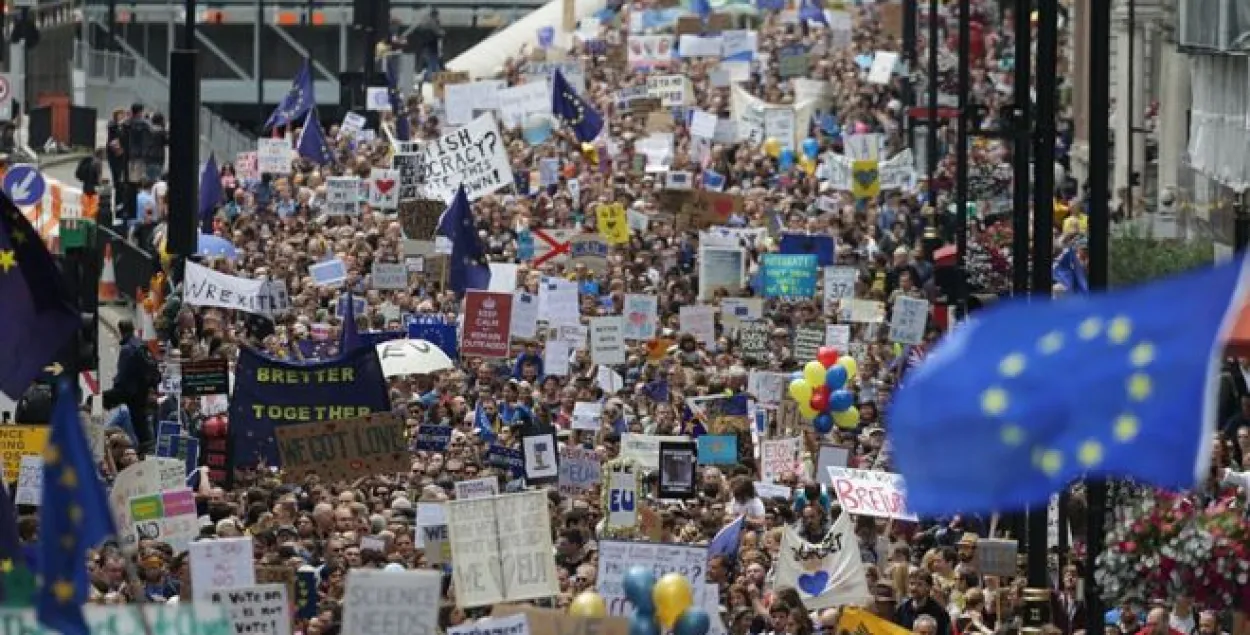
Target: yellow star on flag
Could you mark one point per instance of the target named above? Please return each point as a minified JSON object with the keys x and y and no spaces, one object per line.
{"x":63,"y":590}
{"x":8,"y":260}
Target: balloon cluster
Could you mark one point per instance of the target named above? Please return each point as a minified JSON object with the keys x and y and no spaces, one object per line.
{"x":660,"y":605}
{"x":786,"y":157}
{"x":822,"y":394}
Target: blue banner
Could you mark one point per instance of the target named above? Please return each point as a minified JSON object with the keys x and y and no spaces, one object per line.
{"x":789,"y":276}
{"x":182,"y":447}
{"x":509,"y":459}
{"x":437,"y":333}
{"x":718,"y":449}
{"x":270,"y":393}
{"x":306,"y":597}
{"x":799,"y":244}
{"x":433,"y":438}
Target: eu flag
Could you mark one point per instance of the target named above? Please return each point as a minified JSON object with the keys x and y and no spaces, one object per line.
{"x":297,"y":101}
{"x":210,"y":193}
{"x":36,"y":314}
{"x":16,"y":580}
{"x":701,"y":8}
{"x":813,"y":10}
{"x":465,"y":268}
{"x":726,"y":541}
{"x":1118,"y":384}
{"x":74,"y":517}
{"x":403,"y":129}
{"x":350,"y":339}
{"x":572,"y":109}
{"x":312,"y":141}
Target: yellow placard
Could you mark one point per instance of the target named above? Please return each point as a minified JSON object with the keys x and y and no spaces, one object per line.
{"x":865,"y":179}
{"x":613,"y":223}
{"x":858,"y":621}
{"x":19,"y":441}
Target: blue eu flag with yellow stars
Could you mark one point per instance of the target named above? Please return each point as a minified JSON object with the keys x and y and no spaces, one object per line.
{"x":1036,"y":395}
{"x":312,"y":141}
{"x":73,"y":518}
{"x":36,"y":314}
{"x":572,"y":109}
{"x":297,"y":101}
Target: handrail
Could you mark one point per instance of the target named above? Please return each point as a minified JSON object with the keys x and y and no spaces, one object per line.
{"x":217,"y":133}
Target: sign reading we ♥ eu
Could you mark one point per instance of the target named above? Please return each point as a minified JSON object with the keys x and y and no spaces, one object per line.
{"x":487,"y":324}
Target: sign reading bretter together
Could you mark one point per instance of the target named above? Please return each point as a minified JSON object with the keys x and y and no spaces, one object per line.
{"x":344,"y":449}
{"x":474,"y":155}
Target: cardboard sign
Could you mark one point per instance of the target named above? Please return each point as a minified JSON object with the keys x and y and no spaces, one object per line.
{"x":487,"y":325}
{"x":700,"y":209}
{"x":997,"y":557}
{"x":501,"y":547}
{"x":871,"y":493}
{"x":552,"y":621}
{"x":260,"y":609}
{"x":345,"y":449}
{"x":205,"y":377}
{"x":443,"y":78}
{"x":418,"y":218}
{"x":378,"y":601}
{"x":383,"y":188}
{"x":779,"y":457}
{"x":617,"y":557}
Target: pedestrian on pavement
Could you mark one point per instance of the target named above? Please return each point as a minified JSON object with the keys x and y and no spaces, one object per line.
{"x":137,"y":376}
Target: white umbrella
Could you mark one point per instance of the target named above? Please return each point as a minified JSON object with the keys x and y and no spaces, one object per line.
{"x":412,"y":357}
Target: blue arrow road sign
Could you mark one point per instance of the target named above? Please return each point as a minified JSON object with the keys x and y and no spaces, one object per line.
{"x":24,"y":184}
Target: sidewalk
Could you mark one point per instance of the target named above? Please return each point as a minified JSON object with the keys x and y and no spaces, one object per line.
{"x":110,"y":316}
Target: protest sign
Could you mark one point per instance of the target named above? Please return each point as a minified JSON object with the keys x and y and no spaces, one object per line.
{"x":474,"y":156}
{"x":345,"y":449}
{"x":246,"y":166}
{"x":590,"y":250}
{"x":830,"y":456}
{"x":541,"y":463}
{"x":622,"y":485}
{"x":221,"y":565}
{"x":839,"y":285}
{"x":717,"y":449}
{"x":169,"y":517}
{"x":997,"y":557}
{"x":205,"y":287}
{"x":753,"y":340}
{"x":167,"y":619}
{"x":579,"y":470}
{"x":502,"y":549}
{"x":342,"y":196}
{"x":487,"y":324}
{"x":607,"y":340}
{"x":517,"y":624}
{"x":19,"y":441}
{"x":645,"y":448}
{"x":203,"y":377}
{"x":641,"y":314}
{"x":418,"y":218}
{"x":150,"y":476}
{"x":477,"y":488}
{"x":260,"y":609}
{"x":907,"y":320}
{"x":807,"y":341}
{"x":433,"y":438}
{"x":389,"y":276}
{"x":553,"y":621}
{"x":721,"y":269}
{"x":587,"y":415}
{"x":788,"y":275}
{"x":779,"y":457}
{"x":870,"y":493}
{"x":329,"y":273}
{"x":273,"y":156}
{"x":518,"y":102}
{"x":269,"y":393}
{"x":377,"y":602}
{"x":30,"y":481}
{"x":617,"y":557}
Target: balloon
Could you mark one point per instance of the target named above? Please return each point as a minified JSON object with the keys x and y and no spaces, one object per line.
{"x":827,"y":356}
{"x":800,"y":390}
{"x":808,"y":165}
{"x":811,"y":147}
{"x":588,"y":604}
{"x":847,"y":419}
{"x":785,"y":160}
{"x":643,"y":624}
{"x":851,"y":367}
{"x":814,"y":373}
{"x":823,"y":423}
{"x":638,"y":584}
{"x":836,"y":376}
{"x":693,"y":621}
{"x":841,"y":400}
{"x":805,"y":411}
{"x":672,"y":595}
{"x":820,"y":402}
{"x":772,"y":147}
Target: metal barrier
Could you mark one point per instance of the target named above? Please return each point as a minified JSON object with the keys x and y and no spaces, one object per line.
{"x":141,"y":82}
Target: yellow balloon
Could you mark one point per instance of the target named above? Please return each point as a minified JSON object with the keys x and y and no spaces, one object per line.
{"x":814,"y":373}
{"x":849,"y":364}
{"x":772,"y":147}
{"x":808,"y":165}
{"x":588,"y":604}
{"x":801,"y":390}
{"x":672,"y":595}
{"x":806,"y":411}
{"x":847,"y":419}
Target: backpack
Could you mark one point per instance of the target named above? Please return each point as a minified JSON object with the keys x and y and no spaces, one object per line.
{"x":83,"y":171}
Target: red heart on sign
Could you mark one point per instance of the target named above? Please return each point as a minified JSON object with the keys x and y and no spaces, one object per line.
{"x":384,"y":186}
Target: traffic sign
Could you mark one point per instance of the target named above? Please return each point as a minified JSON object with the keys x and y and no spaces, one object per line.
{"x":24,"y":184}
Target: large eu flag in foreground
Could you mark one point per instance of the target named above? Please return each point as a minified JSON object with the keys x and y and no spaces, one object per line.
{"x":1036,"y":395}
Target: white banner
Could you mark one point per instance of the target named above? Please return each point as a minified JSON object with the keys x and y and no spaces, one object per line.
{"x":342,"y":196}
{"x":519,"y":102}
{"x":501,"y":547}
{"x":616,"y":557}
{"x":826,"y":574}
{"x":375,"y":601}
{"x":607,"y":340}
{"x":273,"y":156}
{"x":474,"y":155}
{"x":205,"y":287}
{"x":870,"y":493}
{"x":641,"y":316}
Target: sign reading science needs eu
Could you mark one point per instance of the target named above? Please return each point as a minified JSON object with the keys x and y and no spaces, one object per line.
{"x":269,"y":393}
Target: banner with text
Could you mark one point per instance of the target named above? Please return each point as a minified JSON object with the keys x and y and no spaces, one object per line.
{"x":344,"y":450}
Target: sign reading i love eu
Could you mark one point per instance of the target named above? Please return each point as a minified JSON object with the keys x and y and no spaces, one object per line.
{"x":269,"y":393}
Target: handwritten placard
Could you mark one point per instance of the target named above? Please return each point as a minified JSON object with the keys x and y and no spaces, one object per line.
{"x":871,"y":493}
{"x":616,"y":557}
{"x":257,"y":610}
{"x":344,"y":449}
{"x":221,"y":565}
{"x":380,"y":602}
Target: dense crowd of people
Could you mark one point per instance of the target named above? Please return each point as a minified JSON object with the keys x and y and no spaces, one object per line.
{"x":921,"y":575}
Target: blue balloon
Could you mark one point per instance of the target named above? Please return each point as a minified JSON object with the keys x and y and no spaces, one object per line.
{"x":786,"y":160}
{"x":841,"y":400}
{"x":823,"y":423}
{"x":835,"y":377}
{"x":638,"y":583}
{"x":643,"y":624}
{"x":811,"y":147}
{"x":692,"y":621}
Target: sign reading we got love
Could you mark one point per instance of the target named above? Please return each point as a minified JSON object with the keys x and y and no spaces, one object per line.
{"x":343,"y":450}
{"x":269,"y":393}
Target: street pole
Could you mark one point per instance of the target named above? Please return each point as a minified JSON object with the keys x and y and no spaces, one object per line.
{"x":1023,"y":117}
{"x":1099,"y":91}
{"x":112,"y":26}
{"x":184,"y":144}
{"x":931,"y":147}
{"x":259,"y":67}
{"x":963,"y":87}
{"x":910,"y":8}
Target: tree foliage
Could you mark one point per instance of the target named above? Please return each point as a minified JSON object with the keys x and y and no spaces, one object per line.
{"x":1137,"y":257}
